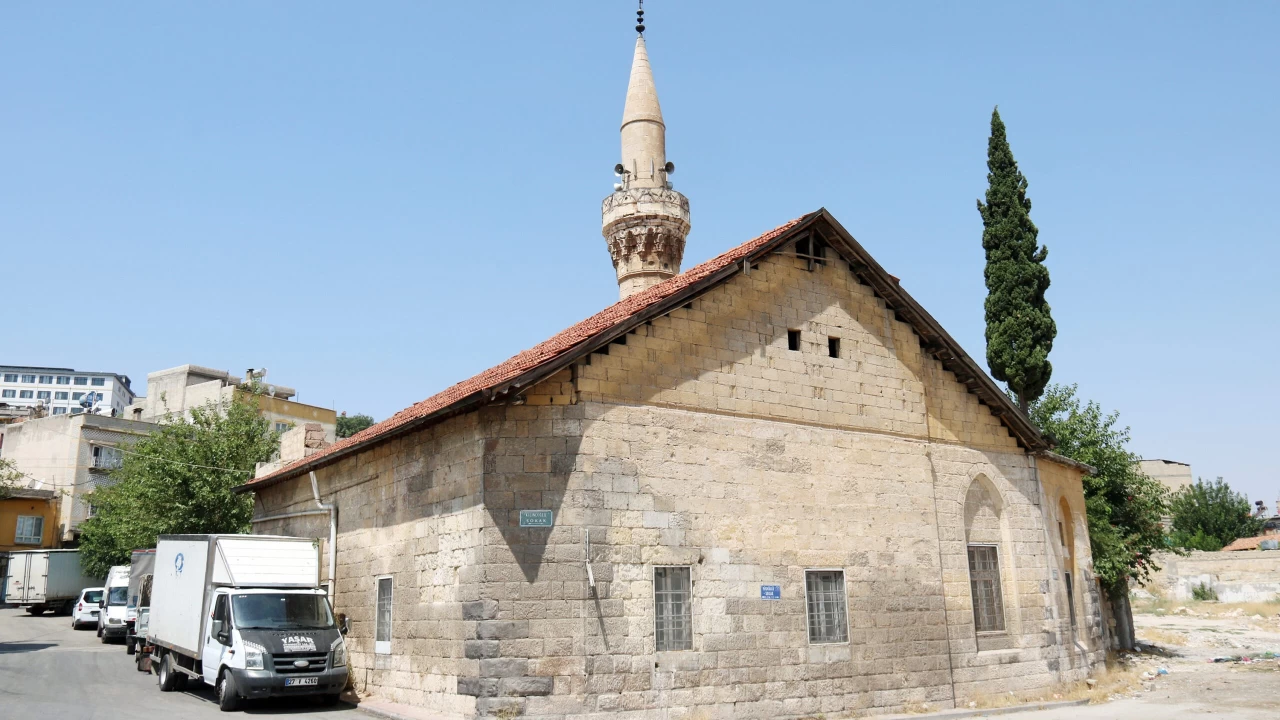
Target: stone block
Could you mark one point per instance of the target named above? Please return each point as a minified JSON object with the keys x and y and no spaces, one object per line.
{"x":524,"y":686}
{"x":480,"y":610}
{"x":480,"y":649}
{"x":504,"y":667}
{"x":502,"y":629}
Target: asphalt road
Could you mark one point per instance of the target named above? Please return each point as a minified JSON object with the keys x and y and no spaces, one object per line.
{"x":48,"y":670}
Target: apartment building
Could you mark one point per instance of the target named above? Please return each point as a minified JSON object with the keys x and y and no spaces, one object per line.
{"x":64,"y":391}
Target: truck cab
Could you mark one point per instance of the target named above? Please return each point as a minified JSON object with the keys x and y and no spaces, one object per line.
{"x":112,"y":608}
{"x":271,"y":642}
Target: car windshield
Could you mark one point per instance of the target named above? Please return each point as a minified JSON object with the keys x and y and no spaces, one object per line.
{"x":281,"y":611}
{"x":93,"y":596}
{"x":117,"y":595}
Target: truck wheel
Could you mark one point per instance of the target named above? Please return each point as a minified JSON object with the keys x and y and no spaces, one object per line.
{"x":100,"y":630}
{"x":34,"y":610}
{"x":330,"y":699}
{"x":164,"y":675}
{"x":103,"y":635}
{"x":128,"y":646}
{"x":228,"y":696}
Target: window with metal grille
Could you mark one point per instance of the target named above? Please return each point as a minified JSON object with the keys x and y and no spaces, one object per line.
{"x":382,"y":631}
{"x":29,"y":530}
{"x":825,"y":605}
{"x":673,"y":616}
{"x":984,"y":583}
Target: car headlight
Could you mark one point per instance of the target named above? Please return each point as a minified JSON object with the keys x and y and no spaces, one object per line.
{"x":253,"y":656}
{"x":339,"y":653}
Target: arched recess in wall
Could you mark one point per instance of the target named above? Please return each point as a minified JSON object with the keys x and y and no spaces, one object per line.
{"x":984,"y":539}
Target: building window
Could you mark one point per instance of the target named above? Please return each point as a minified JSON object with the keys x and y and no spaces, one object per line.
{"x":98,"y":382}
{"x":64,"y":380}
{"x":25,"y":394}
{"x":11,"y":377}
{"x":77,"y":410}
{"x":82,"y":381}
{"x":9,"y":393}
{"x":106,"y":458}
{"x":673,"y":616}
{"x":824,"y":601}
{"x":382,"y":630}
{"x":793,"y":339}
{"x":59,"y":411}
{"x":833,"y":347}
{"x":29,"y":531}
{"x":60,"y":396}
{"x":1062,"y":535}
{"x":28,"y":378}
{"x":46,"y":379}
{"x":43,"y":395}
{"x":77,"y":396}
{"x":984,"y":584}
{"x":283,"y":427}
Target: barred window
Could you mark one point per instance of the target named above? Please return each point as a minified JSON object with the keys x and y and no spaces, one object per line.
{"x":825,"y":605}
{"x":382,"y":631}
{"x":1071,"y":598}
{"x":29,"y":530}
{"x":984,"y":583}
{"x":673,"y":617}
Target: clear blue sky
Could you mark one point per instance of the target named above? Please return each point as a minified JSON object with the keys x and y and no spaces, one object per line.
{"x":377,"y":200}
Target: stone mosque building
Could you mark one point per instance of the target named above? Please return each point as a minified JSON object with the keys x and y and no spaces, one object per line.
{"x":768,"y":486}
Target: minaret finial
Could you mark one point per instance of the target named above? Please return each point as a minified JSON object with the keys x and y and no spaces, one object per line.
{"x":640,"y":18}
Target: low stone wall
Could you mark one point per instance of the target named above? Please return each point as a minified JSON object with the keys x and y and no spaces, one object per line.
{"x":1246,"y":576}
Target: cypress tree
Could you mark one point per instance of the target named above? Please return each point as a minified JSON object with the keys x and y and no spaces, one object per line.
{"x":1020,"y":330}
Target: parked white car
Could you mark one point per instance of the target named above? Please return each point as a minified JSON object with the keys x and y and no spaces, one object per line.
{"x":85,"y":611}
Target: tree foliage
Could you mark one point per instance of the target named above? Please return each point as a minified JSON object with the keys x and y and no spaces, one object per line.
{"x":10,"y":478}
{"x":1124,"y":506}
{"x":1020,"y":330}
{"x":179,"y":480}
{"x":348,"y":426}
{"x":1209,"y":515}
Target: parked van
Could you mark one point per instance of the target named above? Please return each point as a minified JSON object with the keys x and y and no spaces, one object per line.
{"x":111,"y":611}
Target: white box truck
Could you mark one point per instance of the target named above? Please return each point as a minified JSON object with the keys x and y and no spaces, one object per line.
{"x":40,"y":580}
{"x":245,"y":614}
{"x":141,"y":566}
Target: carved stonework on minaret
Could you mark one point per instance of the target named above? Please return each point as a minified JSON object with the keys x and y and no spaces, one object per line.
{"x":645,"y":220}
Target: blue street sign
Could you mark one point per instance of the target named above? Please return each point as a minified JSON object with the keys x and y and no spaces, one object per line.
{"x":770,"y":592}
{"x":536,"y":518}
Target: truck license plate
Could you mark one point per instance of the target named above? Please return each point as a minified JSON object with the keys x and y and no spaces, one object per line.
{"x":301,"y":681}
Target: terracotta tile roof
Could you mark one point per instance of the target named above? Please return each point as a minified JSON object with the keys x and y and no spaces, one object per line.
{"x":535,"y":356}
{"x":1249,"y":543}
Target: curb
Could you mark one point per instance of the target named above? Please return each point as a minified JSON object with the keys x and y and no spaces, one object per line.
{"x":380,"y":713}
{"x":988,"y":712}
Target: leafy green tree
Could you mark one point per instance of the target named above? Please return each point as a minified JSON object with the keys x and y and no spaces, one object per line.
{"x":179,"y":480}
{"x":10,"y":478}
{"x":1020,"y":330}
{"x":1123,"y":505}
{"x":348,"y":426}
{"x":1209,"y":515}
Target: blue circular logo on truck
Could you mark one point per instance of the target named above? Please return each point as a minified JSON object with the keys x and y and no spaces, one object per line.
{"x":177,"y":563}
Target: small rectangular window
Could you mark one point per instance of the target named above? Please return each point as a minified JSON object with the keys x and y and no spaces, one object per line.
{"x":46,"y":379}
{"x":825,"y":606}
{"x":77,"y":410}
{"x":44,"y":395}
{"x":984,"y":584}
{"x":1062,"y":535}
{"x":59,"y":411}
{"x":833,"y":347}
{"x":64,"y":380}
{"x":673,"y":616}
{"x":28,"y":378}
{"x":29,"y":531}
{"x":9,"y":393}
{"x":76,"y":396}
{"x":98,"y":382}
{"x":60,"y":396}
{"x":11,"y":377}
{"x":793,"y":339}
{"x":26,"y":394}
{"x":82,"y":381}
{"x":1071,"y":599}
{"x":382,"y":631}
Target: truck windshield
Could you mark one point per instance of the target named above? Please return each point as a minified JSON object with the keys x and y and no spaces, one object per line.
{"x":282,"y":611}
{"x":117,"y":595}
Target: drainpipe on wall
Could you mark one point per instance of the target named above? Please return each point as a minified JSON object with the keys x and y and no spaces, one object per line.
{"x":329,"y":509}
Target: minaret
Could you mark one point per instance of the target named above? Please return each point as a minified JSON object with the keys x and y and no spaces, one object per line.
{"x":645,"y":221}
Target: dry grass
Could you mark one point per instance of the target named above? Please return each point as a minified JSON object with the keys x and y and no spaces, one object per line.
{"x":1149,"y":607}
{"x":1160,"y":636}
{"x":1110,"y":681}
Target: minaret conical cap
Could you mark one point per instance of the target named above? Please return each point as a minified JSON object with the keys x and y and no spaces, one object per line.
{"x":642,"y":94}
